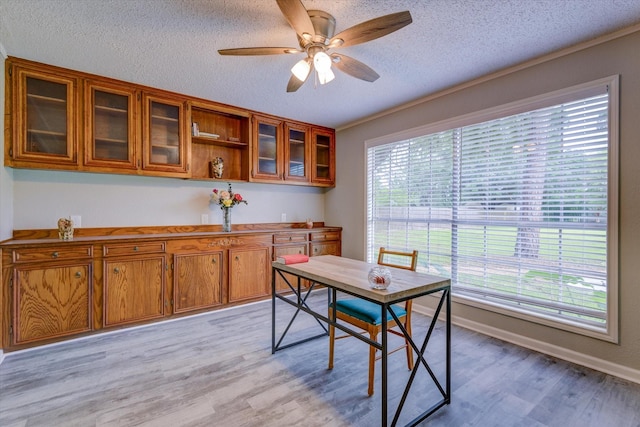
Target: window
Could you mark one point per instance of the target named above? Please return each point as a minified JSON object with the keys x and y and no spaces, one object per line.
{"x":518,"y":205}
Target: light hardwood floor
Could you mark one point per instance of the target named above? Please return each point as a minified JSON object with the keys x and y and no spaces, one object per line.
{"x":217,"y":370}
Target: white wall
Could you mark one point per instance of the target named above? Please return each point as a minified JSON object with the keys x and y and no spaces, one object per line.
{"x":6,"y":174}
{"x":104,"y":200}
{"x":346,"y":206}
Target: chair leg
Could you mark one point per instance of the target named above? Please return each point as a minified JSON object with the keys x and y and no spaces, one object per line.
{"x":407,"y":326}
{"x":372,"y":364}
{"x":332,"y":340}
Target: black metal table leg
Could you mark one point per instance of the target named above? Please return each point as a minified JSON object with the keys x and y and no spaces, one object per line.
{"x":384,"y":307}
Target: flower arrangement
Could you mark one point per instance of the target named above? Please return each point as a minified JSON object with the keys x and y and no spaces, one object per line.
{"x":226,"y":198}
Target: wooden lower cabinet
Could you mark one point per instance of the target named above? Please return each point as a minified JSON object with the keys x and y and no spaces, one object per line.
{"x":53,"y":290}
{"x":51,"y":301}
{"x":325,"y":243}
{"x":289,"y":243}
{"x":133,"y":289}
{"x":249,"y":273}
{"x":197,"y":281}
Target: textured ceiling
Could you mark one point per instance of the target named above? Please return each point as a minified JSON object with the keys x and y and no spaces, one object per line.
{"x":172,"y":44}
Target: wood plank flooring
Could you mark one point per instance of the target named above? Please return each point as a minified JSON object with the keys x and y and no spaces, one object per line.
{"x":217,"y":370}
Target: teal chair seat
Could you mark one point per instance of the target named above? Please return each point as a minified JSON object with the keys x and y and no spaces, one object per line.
{"x":367,"y":311}
{"x":367,"y":316}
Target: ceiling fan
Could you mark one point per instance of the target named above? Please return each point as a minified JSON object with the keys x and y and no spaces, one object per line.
{"x":315,"y":30}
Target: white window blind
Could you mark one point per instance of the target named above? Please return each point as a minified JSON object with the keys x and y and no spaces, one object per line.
{"x":514,"y":209}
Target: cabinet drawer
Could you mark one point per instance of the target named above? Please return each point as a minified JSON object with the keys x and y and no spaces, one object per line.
{"x":134,"y":248}
{"x":281,"y":238}
{"x":52,"y":254}
{"x":325,"y":235}
{"x":289,"y":250}
{"x":329,"y":248}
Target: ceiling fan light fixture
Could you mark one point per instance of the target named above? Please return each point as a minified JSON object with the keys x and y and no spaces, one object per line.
{"x":301,"y":69}
{"x":322,"y":62}
{"x":325,"y":76}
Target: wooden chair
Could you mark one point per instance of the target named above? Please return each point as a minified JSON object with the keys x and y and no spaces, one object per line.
{"x":366,"y":316}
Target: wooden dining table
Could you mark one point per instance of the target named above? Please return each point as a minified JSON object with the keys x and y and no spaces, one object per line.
{"x":349,"y":276}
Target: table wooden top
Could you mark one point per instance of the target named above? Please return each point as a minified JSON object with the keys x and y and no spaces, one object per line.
{"x":351,"y":275}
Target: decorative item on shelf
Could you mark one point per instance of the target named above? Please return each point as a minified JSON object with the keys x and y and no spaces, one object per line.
{"x":65,"y":229}
{"x":309,"y":223}
{"x":379,"y":278}
{"x":226,"y":199}
{"x":217,"y":167}
{"x":208,"y":135}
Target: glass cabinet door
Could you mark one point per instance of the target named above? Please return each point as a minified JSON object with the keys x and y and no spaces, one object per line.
{"x":267,"y":149}
{"x":164,"y":141}
{"x":296,"y":153}
{"x":110,"y":129}
{"x":46,"y":118}
{"x":323,"y":157}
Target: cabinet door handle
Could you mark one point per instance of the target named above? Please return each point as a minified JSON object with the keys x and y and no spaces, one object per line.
{"x":299,"y":252}
{"x":116,"y":270}
{"x":214,"y":261}
{"x":54,"y":255}
{"x":78,"y":274}
{"x":290,"y":238}
{"x":135,"y":248}
{"x":237,"y":259}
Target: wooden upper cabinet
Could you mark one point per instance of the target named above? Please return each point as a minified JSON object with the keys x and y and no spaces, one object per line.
{"x":281,"y":151}
{"x":323,"y":162}
{"x":62,"y":119}
{"x":297,"y":153}
{"x":110,"y":126}
{"x":44,"y":110}
{"x":164,"y":147}
{"x":266,"y":149}
{"x":219,"y":131}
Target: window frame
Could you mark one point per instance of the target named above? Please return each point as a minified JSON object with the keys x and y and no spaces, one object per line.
{"x":610,"y":331}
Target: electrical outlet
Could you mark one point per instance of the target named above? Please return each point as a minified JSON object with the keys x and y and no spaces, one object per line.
{"x":204,"y":219}
{"x":77,"y":220}
{"x":283,"y":217}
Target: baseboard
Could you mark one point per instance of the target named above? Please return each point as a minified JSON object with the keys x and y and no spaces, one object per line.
{"x":605,"y":366}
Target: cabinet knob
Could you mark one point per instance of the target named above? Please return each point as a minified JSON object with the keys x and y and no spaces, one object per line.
{"x":78,"y":274}
{"x":315,"y":249}
{"x":116,"y":270}
{"x":237,"y":259}
{"x":214,"y":261}
{"x":135,"y":248}
{"x":289,"y":238}
{"x":54,"y":255}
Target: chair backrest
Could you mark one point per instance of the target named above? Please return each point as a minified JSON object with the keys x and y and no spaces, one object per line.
{"x":412,"y":259}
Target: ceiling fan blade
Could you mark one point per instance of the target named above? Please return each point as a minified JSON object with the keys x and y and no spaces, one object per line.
{"x":354,"y":68}
{"x":295,"y":83}
{"x":297,"y":16}
{"x":371,"y":29}
{"x":246,"y":51}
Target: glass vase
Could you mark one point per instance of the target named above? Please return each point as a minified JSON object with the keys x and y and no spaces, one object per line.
{"x":226,"y":220}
